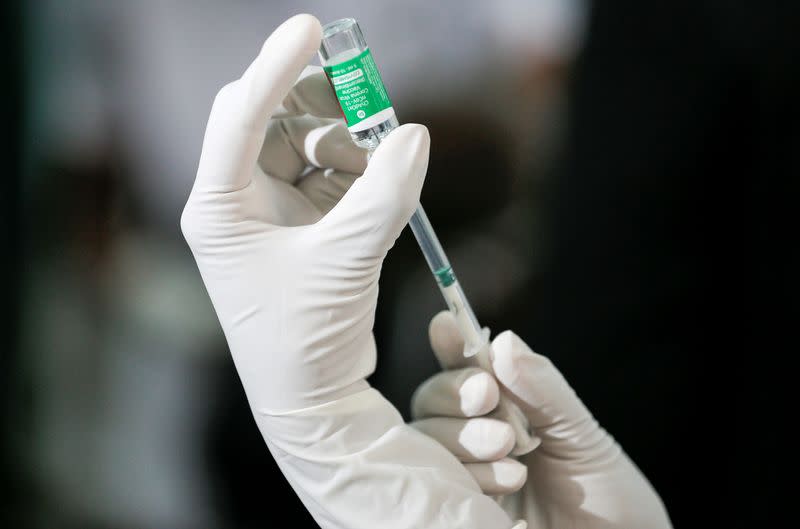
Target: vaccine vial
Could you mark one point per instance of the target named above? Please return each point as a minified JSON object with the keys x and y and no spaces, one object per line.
{"x":351,"y":70}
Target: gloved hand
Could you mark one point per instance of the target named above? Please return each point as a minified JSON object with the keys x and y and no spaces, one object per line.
{"x":290,"y":242}
{"x":577,"y":477}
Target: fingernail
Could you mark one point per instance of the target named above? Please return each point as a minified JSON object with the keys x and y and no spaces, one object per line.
{"x":479,"y":394}
{"x":501,"y":437}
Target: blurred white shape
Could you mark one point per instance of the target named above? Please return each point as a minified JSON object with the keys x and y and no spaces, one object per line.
{"x":546,"y":29}
{"x":121,"y":398}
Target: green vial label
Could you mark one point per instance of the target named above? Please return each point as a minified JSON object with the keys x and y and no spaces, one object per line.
{"x":360,"y":92}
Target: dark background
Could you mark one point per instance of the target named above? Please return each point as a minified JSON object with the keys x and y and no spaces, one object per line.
{"x":645,"y":226}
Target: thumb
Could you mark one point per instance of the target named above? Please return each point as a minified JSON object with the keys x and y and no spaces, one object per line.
{"x":371,"y":215}
{"x":553,"y":409}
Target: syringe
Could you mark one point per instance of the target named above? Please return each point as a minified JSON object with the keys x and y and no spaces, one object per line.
{"x":368,"y":111}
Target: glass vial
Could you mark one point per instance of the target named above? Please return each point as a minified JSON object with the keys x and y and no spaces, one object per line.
{"x":351,"y":70}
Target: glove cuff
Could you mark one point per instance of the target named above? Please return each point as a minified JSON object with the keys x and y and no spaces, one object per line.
{"x":354,"y":463}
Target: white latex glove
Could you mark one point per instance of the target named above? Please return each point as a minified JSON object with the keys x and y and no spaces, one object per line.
{"x":291,"y":258}
{"x":578,"y":476}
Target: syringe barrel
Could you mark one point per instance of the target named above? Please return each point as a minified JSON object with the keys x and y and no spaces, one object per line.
{"x":457,"y":302}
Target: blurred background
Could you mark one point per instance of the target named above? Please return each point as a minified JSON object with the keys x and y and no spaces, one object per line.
{"x":604,"y":177}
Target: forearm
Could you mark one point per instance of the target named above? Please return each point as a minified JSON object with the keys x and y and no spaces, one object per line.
{"x":355,"y":464}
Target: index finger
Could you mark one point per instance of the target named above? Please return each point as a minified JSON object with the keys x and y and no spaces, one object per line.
{"x":447,"y":342}
{"x":311,"y":94}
